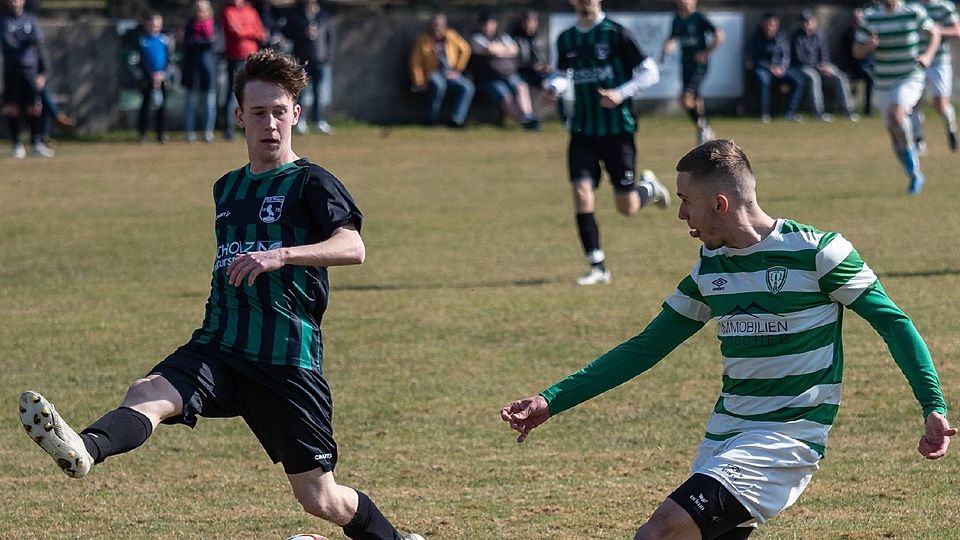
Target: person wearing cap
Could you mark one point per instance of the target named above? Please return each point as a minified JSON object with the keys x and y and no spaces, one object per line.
{"x":810,"y":61}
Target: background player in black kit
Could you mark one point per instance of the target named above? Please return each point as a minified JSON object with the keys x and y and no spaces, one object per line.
{"x":690,"y":28}
{"x":280,"y":221}
{"x":607,"y":69}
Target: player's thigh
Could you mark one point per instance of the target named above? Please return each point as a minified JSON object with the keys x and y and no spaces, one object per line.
{"x":583,"y":165}
{"x":202,"y":380}
{"x":619,"y":155}
{"x":940,"y":80}
{"x":669,"y":520}
{"x":290,"y":411}
{"x":900,"y":100}
{"x":709,"y":506}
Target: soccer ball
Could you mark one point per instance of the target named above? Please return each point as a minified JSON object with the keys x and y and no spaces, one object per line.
{"x":307,"y":537}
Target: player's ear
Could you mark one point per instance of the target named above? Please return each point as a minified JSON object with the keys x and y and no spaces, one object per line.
{"x":238,"y":114}
{"x":721,"y":204}
{"x":296,"y":113}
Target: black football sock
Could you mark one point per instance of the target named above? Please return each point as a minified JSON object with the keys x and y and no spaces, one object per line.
{"x":116,"y":432}
{"x":590,"y":238}
{"x":694,"y":115}
{"x":368,"y":523}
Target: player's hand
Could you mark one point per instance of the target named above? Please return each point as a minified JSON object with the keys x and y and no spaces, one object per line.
{"x":873,"y":42}
{"x":525,"y":414}
{"x":936,"y":436}
{"x":925,"y":60}
{"x":252,"y":264}
{"x":611,"y":97}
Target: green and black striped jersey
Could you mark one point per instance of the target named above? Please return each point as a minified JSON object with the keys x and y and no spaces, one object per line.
{"x":277,"y":319}
{"x":778,"y":307}
{"x":691,"y":32}
{"x":602,"y":57}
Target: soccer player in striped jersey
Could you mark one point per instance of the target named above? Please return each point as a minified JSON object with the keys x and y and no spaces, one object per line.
{"x":690,"y":29}
{"x":940,"y":73}
{"x":280,"y":222}
{"x":776,"y":289}
{"x":892,"y":32}
{"x":607,"y":68}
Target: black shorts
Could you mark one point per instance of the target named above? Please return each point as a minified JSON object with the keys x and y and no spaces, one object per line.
{"x":20,"y":88}
{"x":617,"y":152}
{"x":712,"y":506}
{"x":288,"y":408}
{"x":693,"y":75}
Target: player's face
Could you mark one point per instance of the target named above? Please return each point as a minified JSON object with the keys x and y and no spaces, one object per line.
{"x":698,"y":208}
{"x":686,"y":6}
{"x":268,"y":115}
{"x":586,"y":7}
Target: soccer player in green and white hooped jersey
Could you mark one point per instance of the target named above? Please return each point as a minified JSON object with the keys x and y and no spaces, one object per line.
{"x":940,"y":73}
{"x":607,"y":69}
{"x":280,"y":222}
{"x":777,"y":290}
{"x":892,"y":31}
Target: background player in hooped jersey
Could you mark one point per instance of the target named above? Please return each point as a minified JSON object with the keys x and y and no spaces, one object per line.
{"x":607,"y":68}
{"x":891,"y":31}
{"x":280,"y":222}
{"x":940,"y":72}
{"x":776,"y":289}
{"x":690,"y":28}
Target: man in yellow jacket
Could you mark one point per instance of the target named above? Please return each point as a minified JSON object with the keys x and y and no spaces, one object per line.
{"x":437,"y":61}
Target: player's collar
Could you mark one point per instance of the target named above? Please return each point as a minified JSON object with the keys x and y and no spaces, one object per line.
{"x":598,"y":20}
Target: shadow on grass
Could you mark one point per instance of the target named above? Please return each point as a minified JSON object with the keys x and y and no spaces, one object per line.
{"x":920,"y":273}
{"x":434,"y":286}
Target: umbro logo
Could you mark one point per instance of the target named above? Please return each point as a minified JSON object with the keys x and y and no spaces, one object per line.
{"x":719,"y":283}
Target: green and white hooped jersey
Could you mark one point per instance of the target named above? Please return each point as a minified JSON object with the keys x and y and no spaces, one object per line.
{"x":778,"y":307}
{"x":900,"y":37}
{"x":943,"y":13}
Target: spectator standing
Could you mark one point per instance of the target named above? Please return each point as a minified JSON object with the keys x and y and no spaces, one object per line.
{"x":199,"y":71}
{"x":154,"y":59}
{"x":940,"y":73}
{"x":310,"y":29}
{"x":769,"y":61}
{"x":437,"y":61}
{"x":242,"y":35}
{"x":494,"y":66}
{"x":857,"y":69}
{"x":810,"y":62}
{"x":690,"y":28}
{"x":23,"y":76}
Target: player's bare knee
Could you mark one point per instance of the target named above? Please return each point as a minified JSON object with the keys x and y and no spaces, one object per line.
{"x":325,"y":505}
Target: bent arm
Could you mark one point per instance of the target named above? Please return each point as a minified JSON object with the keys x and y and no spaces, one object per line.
{"x":645,"y":75}
{"x":905,"y":344}
{"x":624,"y":362}
{"x":343,"y":248}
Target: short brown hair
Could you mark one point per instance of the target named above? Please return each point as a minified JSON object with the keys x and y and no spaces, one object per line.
{"x":722,"y":163}
{"x":272,"y":66}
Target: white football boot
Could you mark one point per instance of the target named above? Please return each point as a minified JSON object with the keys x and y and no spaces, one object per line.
{"x":661,"y":195}
{"x":413,"y":536}
{"x":594,"y":276}
{"x":45,"y":426}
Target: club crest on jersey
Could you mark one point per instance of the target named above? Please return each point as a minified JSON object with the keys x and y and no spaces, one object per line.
{"x":776,"y":278}
{"x":271,"y":208}
{"x":601,"y":51}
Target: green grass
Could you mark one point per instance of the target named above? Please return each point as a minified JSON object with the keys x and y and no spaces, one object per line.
{"x":465,"y":302}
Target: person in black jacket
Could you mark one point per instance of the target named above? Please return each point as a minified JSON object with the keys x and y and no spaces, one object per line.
{"x":768,"y":58}
{"x":310,"y":29}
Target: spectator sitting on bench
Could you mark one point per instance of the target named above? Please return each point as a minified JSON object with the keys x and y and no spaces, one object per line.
{"x":494,"y":68}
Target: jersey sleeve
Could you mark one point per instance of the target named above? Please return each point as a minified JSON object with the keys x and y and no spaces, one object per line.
{"x":707,"y":26}
{"x":905,"y":344}
{"x":331,"y":205}
{"x":675,"y":27}
{"x":563,"y":63}
{"x":951,"y":18}
{"x":841,"y":272}
{"x":924,"y":22}
{"x":630,"y":52}
{"x":863,"y":32}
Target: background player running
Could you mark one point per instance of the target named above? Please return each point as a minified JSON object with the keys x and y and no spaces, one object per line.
{"x":690,"y":28}
{"x":607,"y":68}
{"x":777,"y":290}
{"x":939,"y":75}
{"x":280,"y":222}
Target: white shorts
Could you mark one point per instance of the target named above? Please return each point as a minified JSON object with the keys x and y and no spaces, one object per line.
{"x":765,"y":471}
{"x":940,"y":79}
{"x":905,"y":92}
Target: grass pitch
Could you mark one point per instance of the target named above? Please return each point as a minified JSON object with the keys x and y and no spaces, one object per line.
{"x":465,"y":302}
